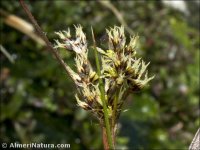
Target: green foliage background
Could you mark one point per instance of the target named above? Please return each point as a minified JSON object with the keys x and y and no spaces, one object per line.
{"x":37,"y":97}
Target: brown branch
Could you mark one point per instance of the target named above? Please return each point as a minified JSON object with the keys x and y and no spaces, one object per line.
{"x":44,"y":37}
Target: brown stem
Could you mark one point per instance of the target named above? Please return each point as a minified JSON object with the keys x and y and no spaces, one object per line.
{"x":113,"y":135}
{"x":44,"y":37}
{"x":104,"y":138}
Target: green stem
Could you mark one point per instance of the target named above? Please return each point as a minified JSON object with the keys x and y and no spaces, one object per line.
{"x":103,"y":99}
{"x":115,"y":108}
{"x":114,"y":119}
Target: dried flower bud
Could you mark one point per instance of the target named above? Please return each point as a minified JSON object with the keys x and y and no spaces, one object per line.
{"x":79,"y":45}
{"x":116,"y":38}
{"x":80,"y":35}
{"x":82,"y":104}
{"x":132,"y":45}
{"x":93,"y":76}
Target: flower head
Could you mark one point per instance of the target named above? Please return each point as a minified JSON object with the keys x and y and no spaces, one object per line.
{"x":122,"y":71}
{"x":116,"y":37}
{"x":79,"y":44}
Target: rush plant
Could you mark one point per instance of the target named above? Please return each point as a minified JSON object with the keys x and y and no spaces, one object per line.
{"x":118,"y":72}
{"x":104,"y":92}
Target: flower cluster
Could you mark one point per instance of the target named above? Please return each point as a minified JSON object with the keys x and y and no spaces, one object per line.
{"x":121,"y":70}
{"x":86,"y":79}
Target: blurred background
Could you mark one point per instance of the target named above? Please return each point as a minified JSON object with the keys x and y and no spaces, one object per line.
{"x":37,"y":97}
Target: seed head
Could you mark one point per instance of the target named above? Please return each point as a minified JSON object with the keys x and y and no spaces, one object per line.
{"x":121,"y":72}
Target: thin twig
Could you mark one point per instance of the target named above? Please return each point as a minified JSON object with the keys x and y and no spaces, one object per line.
{"x":7,"y":54}
{"x":44,"y":37}
{"x":118,"y":15}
